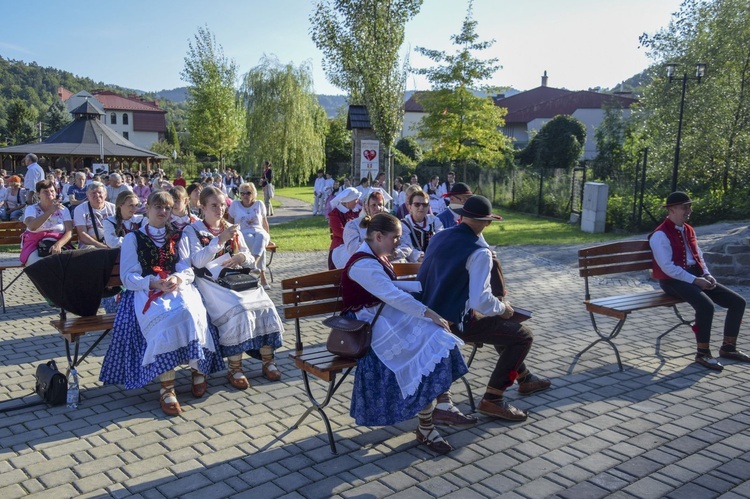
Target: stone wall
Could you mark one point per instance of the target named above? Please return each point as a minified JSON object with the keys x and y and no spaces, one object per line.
{"x":728,"y":258}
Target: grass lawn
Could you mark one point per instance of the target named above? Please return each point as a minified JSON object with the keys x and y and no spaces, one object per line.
{"x":304,"y":193}
{"x":312,"y":234}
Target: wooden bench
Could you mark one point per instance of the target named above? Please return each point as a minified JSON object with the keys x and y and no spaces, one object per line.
{"x":73,"y":329}
{"x":317,"y":294}
{"x":10,"y":234}
{"x":618,"y":258}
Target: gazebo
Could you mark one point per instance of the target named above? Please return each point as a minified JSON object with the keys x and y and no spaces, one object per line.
{"x":84,"y":141}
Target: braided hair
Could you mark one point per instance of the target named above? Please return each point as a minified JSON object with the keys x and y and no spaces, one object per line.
{"x":121,"y":199}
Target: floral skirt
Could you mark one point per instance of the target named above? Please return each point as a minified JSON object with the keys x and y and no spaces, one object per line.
{"x":376,"y":397}
{"x":123,"y":363}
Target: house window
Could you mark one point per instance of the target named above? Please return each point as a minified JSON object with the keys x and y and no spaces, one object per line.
{"x":124,"y":118}
{"x":125,"y":135}
{"x":113,"y":119}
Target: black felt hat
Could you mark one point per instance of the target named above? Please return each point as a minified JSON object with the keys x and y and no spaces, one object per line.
{"x":458,"y":188}
{"x":478,"y":208}
{"x":677,"y":198}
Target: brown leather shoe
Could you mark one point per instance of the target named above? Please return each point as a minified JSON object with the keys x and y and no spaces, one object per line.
{"x":271,"y":372}
{"x":199,"y":387}
{"x":434,"y":442}
{"x":239,"y":382}
{"x":709,"y":362}
{"x":533,"y":384}
{"x":736,"y":355}
{"x":442,"y":417}
{"x":169,"y":408}
{"x":501,"y":409}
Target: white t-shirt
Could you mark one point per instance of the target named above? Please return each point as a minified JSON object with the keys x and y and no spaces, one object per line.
{"x":250,"y":218}
{"x":55,"y":222}
{"x":15,"y":201}
{"x":82,"y":218}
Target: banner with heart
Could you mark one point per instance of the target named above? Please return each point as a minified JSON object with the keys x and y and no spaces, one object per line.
{"x":369,"y":160}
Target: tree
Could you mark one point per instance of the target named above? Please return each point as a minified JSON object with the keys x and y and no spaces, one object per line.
{"x":410,"y":148}
{"x":56,"y":118}
{"x":558,"y":144}
{"x":20,"y":123}
{"x":461,"y":126}
{"x":360,"y":40}
{"x":285,"y":123}
{"x":214,"y":117}
{"x":338,"y":143}
{"x":715,"y":146}
{"x":610,"y":140}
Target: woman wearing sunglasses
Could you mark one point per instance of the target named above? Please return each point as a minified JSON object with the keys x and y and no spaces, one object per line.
{"x":250,"y":214}
{"x":417,"y":228}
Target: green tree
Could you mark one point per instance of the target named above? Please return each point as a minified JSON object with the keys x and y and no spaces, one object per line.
{"x":610,"y":143}
{"x":410,"y":148}
{"x":360,"y":40}
{"x":715,"y":146}
{"x":558,"y":144}
{"x":56,"y":118}
{"x":461,"y":126}
{"x":338,"y":142}
{"x":21,"y":123}
{"x":285,"y":123}
{"x":214,"y":117}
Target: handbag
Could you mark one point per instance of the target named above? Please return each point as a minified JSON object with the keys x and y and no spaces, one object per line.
{"x":350,"y":338}
{"x":237,"y":279}
{"x":45,"y":245}
{"x":51,"y":384}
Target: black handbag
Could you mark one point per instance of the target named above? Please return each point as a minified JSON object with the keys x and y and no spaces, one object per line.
{"x":51,"y":384}
{"x":45,"y":245}
{"x":237,"y":279}
{"x":350,"y":338}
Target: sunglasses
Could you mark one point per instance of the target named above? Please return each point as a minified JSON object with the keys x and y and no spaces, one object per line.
{"x":420,"y":205}
{"x":246,"y":193}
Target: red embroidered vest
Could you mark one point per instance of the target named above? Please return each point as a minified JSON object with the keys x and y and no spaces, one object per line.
{"x":354,"y":296}
{"x":679,"y":255}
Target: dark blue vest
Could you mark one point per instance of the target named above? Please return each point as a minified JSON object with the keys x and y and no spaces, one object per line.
{"x":445,"y":281}
{"x":447,"y":218}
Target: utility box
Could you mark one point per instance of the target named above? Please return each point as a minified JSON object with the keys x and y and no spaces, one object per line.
{"x":594,"y":216}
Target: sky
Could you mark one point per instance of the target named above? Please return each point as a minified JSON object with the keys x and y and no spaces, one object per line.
{"x":142,"y":44}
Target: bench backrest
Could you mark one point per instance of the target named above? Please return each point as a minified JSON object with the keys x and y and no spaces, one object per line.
{"x":317,"y":294}
{"x":614,"y":258}
{"x":10,"y":232}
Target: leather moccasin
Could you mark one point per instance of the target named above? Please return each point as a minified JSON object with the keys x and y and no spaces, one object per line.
{"x":533,"y":384}
{"x":442,"y":417}
{"x":198,"y":388}
{"x":271,"y":372}
{"x":434,"y":442}
{"x":736,"y":355}
{"x":709,"y":362}
{"x":502,"y":409}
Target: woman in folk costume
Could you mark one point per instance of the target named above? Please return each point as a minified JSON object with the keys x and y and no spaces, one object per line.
{"x":413,"y":357}
{"x":250,"y":214}
{"x":342,"y":210}
{"x":418,"y":227}
{"x":161,"y":321}
{"x":246,"y":320}
{"x":354,"y":235}
{"x":181,"y":216}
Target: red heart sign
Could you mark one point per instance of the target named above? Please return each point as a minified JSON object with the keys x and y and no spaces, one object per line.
{"x":369,"y":154}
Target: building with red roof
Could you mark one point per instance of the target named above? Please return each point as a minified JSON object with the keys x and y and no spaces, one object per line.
{"x":137,"y":120}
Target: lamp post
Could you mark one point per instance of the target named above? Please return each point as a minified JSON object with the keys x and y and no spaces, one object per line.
{"x":700,"y":72}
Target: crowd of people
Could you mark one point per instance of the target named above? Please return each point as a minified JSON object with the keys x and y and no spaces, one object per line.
{"x":176,"y":243}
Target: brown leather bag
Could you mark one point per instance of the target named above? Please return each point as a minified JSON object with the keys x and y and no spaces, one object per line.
{"x":350,"y":338}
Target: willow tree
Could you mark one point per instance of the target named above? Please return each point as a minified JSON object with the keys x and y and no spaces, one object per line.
{"x":360,"y":41}
{"x":284,"y":121}
{"x":214,"y":118}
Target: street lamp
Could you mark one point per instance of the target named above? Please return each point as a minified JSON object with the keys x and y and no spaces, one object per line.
{"x":700,"y":72}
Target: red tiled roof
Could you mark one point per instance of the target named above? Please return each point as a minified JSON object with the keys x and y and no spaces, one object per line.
{"x":63,"y":93}
{"x":528,"y":108}
{"x":112,"y":101}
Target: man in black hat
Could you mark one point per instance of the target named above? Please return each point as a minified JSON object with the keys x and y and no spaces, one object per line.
{"x":455,"y":278}
{"x":457,"y":196}
{"x":682,"y":272}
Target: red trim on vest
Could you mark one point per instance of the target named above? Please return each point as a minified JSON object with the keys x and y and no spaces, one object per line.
{"x":679,"y":255}
{"x":354,"y":297}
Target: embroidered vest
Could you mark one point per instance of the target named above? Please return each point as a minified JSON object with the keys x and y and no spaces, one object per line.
{"x":150,"y":255}
{"x":676,"y":240}
{"x":420,"y":237}
{"x":354,"y":296}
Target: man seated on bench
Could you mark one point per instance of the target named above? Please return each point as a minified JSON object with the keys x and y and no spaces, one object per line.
{"x":456,"y":283}
{"x":682,"y":272}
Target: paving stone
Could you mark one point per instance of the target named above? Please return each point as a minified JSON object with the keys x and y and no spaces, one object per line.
{"x":583,"y":490}
{"x":693,"y":491}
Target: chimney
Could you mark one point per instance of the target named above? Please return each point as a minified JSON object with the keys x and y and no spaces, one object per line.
{"x":544,"y":79}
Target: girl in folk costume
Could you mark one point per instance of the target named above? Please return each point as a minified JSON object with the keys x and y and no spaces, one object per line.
{"x":125,"y":221}
{"x":161,"y":321}
{"x":246,"y":320}
{"x":435,"y":194}
{"x":342,"y":210}
{"x":413,"y":357}
{"x":250,"y":214}
{"x":418,"y":227}
{"x":354,"y":234}
{"x":181,"y":216}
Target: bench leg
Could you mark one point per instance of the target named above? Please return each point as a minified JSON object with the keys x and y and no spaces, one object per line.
{"x":683,"y":322}
{"x":320,"y":407}
{"x":4,"y":288}
{"x":72,"y":360}
{"x":605,"y":338}
{"x":268,"y":264}
{"x":466,"y":383}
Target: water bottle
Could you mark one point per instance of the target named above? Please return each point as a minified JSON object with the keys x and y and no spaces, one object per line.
{"x":73,"y":391}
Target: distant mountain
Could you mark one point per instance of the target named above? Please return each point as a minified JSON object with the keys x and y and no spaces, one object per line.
{"x":178,"y":94}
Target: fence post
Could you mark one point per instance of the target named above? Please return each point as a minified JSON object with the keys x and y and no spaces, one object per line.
{"x":643,"y":186}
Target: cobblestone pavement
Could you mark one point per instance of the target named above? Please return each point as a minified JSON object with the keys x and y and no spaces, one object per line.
{"x":661,"y":428}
